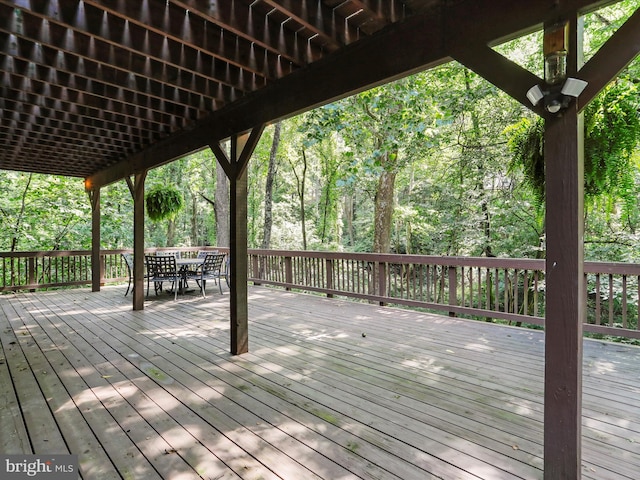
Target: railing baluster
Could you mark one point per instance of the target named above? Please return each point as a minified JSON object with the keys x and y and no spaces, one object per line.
{"x":453,"y":289}
{"x":516,"y":290}
{"x":329,"y":267}
{"x":505,"y":273}
{"x":471,"y":294}
{"x":462,"y":289}
{"x":598,"y":311}
{"x":383,"y":271}
{"x":497,"y":290}
{"x":611,"y":300}
{"x":624,"y":301}
{"x":536,"y":279}
{"x":525,"y":292}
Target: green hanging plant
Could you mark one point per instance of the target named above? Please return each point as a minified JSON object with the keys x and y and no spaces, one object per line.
{"x":163,"y":202}
{"x":612,"y":132}
{"x":526,"y":145}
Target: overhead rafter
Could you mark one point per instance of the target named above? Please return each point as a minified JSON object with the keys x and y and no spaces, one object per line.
{"x":101,"y":87}
{"x":84,"y":84}
{"x":334,"y":77}
{"x":254,"y":26}
{"x":315,"y":17}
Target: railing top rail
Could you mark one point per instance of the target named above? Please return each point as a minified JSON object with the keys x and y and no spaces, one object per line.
{"x":452,"y":261}
{"x":55,"y":253}
{"x":612,"y":267}
{"x":489,"y":262}
{"x":67,"y":253}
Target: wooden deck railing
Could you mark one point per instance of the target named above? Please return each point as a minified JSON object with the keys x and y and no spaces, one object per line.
{"x":37,"y":270}
{"x":507,"y":289}
{"x":511,"y":290}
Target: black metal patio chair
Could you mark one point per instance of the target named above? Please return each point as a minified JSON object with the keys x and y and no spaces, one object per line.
{"x":128,"y":260}
{"x":211,"y":269}
{"x":163,"y":268}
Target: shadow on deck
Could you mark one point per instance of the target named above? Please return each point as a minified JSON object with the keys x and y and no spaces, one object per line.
{"x":330,"y":389}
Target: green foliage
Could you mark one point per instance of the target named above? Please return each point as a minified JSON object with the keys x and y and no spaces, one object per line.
{"x":612,"y":132}
{"x":43,"y":212}
{"x":163,"y":202}
{"x":527,"y":147}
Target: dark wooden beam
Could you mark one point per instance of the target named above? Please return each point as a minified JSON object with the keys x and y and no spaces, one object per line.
{"x":320,"y":20}
{"x":611,"y":58}
{"x":242,"y":147}
{"x":565,"y":303}
{"x":508,"y":76}
{"x":420,"y":42}
{"x":138,"y":240}
{"x":223,"y":160}
{"x":170,"y":22}
{"x":96,"y":261}
{"x":239,"y":340}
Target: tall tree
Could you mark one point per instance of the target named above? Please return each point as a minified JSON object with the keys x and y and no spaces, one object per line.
{"x":300,"y":174}
{"x":16,"y":228}
{"x":268,"y":194}
{"x":383,"y":128}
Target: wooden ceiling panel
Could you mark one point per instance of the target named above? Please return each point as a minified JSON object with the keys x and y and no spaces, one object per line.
{"x":103,"y":87}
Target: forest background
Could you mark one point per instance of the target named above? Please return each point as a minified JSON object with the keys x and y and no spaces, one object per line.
{"x":439,"y":163}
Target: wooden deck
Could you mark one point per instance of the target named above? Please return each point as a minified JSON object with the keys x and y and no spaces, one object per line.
{"x":330,"y":389}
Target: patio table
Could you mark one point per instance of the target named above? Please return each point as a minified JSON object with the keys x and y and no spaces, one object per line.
{"x":183,"y":265}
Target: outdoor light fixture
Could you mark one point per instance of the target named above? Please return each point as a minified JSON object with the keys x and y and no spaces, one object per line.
{"x":555,"y":53}
{"x":535,"y":94}
{"x":556,"y":98}
{"x":573,"y":87}
{"x":558,"y":90}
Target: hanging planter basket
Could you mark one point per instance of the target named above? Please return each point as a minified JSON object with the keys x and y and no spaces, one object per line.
{"x":163,"y":202}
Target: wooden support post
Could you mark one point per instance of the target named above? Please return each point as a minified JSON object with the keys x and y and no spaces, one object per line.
{"x":382,"y":281}
{"x":453,"y":288}
{"x":564,"y":177}
{"x":96,"y":264}
{"x":256,"y":273}
{"x":564,"y":264}
{"x":137,"y":190}
{"x":32,"y":272}
{"x":565,"y":290}
{"x":329,"y":273}
{"x":238,"y":249}
{"x":288,"y":272}
{"x":235,"y":166}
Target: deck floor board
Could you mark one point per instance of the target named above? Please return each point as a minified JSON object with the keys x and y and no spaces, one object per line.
{"x":331,"y":389}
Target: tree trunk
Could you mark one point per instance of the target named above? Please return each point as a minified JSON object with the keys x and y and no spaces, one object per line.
{"x":349,"y":216}
{"x":301,"y":187}
{"x":195,"y":237}
{"x":268,"y":195}
{"x":18,"y":226}
{"x":485,"y":223}
{"x":171,"y":233}
{"x":383,"y":212}
{"x":221,"y":207}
